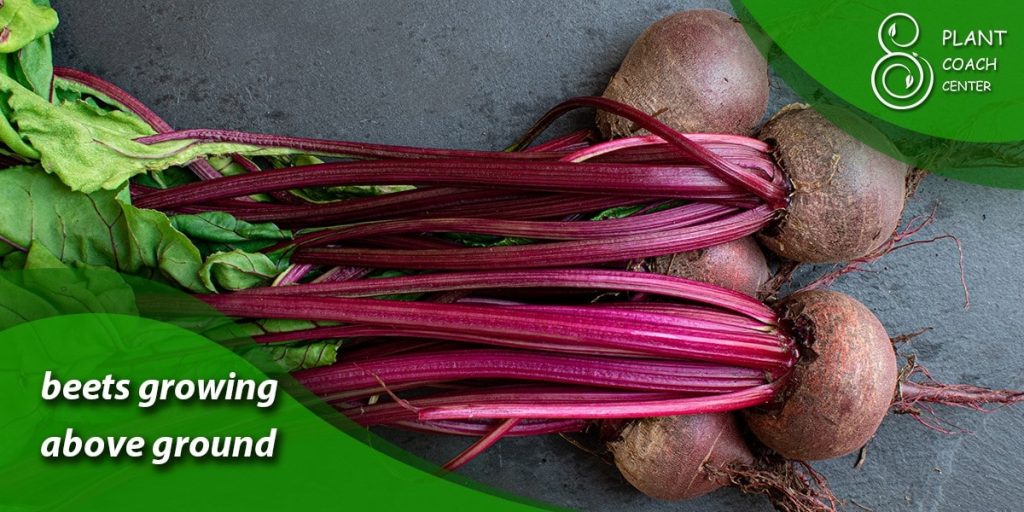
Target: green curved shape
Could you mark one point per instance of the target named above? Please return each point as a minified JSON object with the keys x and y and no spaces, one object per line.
{"x":24,"y":21}
{"x":87,"y":324}
{"x":827,"y":53}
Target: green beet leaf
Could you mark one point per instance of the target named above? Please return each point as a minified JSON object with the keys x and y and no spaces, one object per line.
{"x":298,"y":357}
{"x":100,"y":229}
{"x":220,"y":232}
{"x":91,"y":149}
{"x":24,"y":21}
{"x":238,"y":270}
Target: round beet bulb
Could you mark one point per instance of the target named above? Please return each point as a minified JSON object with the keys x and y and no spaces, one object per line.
{"x":684,"y":457}
{"x":667,"y":457}
{"x":846,"y":198}
{"x":738,"y":265}
{"x":842,"y":386}
{"x":695,"y":70}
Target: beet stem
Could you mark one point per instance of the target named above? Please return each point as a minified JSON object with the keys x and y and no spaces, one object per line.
{"x":463,"y":428}
{"x":461,"y":364}
{"x":773,"y":192}
{"x":391,"y":412}
{"x":481,"y":445}
{"x":349,"y":332}
{"x":436,"y":202}
{"x":563,"y":143}
{"x":592,"y":279}
{"x":553,"y":254}
{"x":751,"y":397}
{"x":292,"y":275}
{"x":340,"y":274}
{"x":647,"y":180}
{"x":678,"y":217}
{"x":647,"y":337}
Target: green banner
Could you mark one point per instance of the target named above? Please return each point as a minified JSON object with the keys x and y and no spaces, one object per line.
{"x":115,"y":397}
{"x":943,"y":81}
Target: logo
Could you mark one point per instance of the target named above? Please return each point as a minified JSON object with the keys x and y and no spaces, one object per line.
{"x":909,"y":74}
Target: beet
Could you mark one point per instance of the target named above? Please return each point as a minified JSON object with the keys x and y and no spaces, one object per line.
{"x":695,"y":70}
{"x":738,"y":265}
{"x":846,"y":197}
{"x":665,"y":457}
{"x":841,"y":388}
{"x":683,"y":457}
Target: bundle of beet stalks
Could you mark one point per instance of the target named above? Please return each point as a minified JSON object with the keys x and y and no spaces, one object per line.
{"x":552,"y":287}
{"x":520,"y":310}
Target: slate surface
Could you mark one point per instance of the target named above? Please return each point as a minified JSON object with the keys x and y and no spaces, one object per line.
{"x":470,"y":73}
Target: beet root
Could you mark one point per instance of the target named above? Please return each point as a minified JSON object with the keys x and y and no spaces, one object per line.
{"x":738,"y":265}
{"x":840,"y":390}
{"x":683,"y":457}
{"x":916,"y":397}
{"x":697,"y":71}
{"x":667,"y":457}
{"x":846,"y":197}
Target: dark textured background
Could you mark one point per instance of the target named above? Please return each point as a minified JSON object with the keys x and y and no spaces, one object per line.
{"x":474,"y":73}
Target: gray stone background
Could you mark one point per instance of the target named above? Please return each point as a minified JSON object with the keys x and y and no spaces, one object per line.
{"x":473,"y":73}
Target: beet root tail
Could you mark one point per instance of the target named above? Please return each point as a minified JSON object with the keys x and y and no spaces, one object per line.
{"x":918,"y":398}
{"x":791,"y":486}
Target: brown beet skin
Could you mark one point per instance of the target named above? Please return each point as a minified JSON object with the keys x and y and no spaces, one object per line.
{"x":738,"y":265}
{"x":846,"y":198}
{"x":665,"y":457}
{"x":695,"y":70}
{"x":841,"y":388}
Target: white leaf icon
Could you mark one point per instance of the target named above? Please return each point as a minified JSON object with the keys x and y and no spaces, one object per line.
{"x":910,"y":81}
{"x":892,"y":30}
